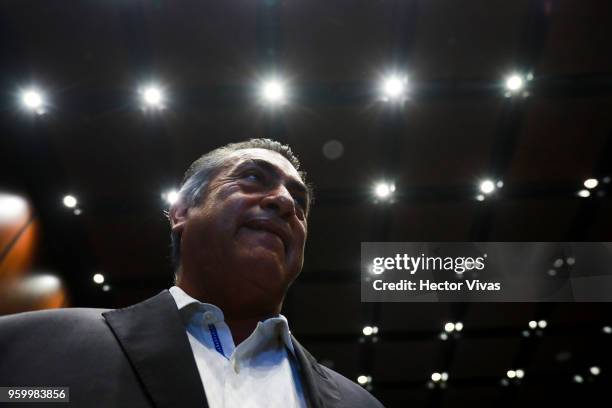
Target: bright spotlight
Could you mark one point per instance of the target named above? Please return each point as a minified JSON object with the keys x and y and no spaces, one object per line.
{"x":12,"y":207}
{"x":458,"y":326}
{"x":533,"y":324}
{"x":33,"y":100}
{"x":384,"y":190}
{"x":515,"y":83}
{"x":98,"y":278}
{"x":152,"y":97}
{"x":449,"y":327}
{"x":273,"y":92}
{"x":42,"y":284}
{"x":606,"y":329}
{"x":367,"y":331}
{"x":595,"y":370}
{"x":519,"y":373}
{"x":435,"y":377}
{"x":578,"y":379}
{"x":171,"y":196}
{"x":591,"y":183}
{"x":542,"y":324}
{"x":106,"y":288}
{"x":480,"y":197}
{"x":70,"y":201}
{"x":444,"y":376}
{"x":393,"y":88}
{"x":487,"y":186}
{"x":584,"y":193}
{"x":511,"y":373}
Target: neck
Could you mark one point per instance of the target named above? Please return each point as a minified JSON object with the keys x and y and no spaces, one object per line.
{"x":241,"y":329}
{"x":241,"y":319}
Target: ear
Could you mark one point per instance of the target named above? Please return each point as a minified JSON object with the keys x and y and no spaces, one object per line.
{"x":178,"y":215}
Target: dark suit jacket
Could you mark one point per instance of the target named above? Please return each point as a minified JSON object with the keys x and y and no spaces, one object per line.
{"x":134,"y":357}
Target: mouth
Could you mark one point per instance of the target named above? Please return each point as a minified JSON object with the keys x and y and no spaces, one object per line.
{"x":269,"y":226}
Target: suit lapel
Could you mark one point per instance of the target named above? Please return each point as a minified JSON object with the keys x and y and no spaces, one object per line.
{"x":321,"y":391}
{"x":154,"y":339}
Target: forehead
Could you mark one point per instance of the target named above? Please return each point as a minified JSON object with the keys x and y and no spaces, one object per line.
{"x":283,"y":165}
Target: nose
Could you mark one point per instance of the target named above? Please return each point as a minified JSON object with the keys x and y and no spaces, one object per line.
{"x":280,"y":201}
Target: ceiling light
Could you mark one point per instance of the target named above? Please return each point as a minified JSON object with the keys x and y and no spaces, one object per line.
{"x":487,"y":186}
{"x":595,"y":370}
{"x":33,"y":100}
{"x":384,"y":190}
{"x":515,"y":83}
{"x":591,"y":183}
{"x":533,"y":324}
{"x":511,"y":373}
{"x":70,"y":201}
{"x":367,"y":331}
{"x":435,"y":377}
{"x":584,"y":193}
{"x":98,"y":278}
{"x":519,"y":373}
{"x":393,"y":88}
{"x":449,"y":327}
{"x":152,"y":97}
{"x":458,"y":326}
{"x":364,"y":379}
{"x":273,"y":92}
{"x":171,"y":196}
{"x":542,"y":324}
{"x":12,"y":207}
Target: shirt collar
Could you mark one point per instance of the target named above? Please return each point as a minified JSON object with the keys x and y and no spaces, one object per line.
{"x":267,"y":327}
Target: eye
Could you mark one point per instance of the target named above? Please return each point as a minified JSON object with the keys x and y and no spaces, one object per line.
{"x":301,"y":206}
{"x":301,"y":203}
{"x":253,"y":175}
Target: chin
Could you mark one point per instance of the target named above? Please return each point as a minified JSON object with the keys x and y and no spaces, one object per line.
{"x":261,"y":255}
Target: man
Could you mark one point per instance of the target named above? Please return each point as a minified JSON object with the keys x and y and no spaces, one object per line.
{"x":217,"y":338}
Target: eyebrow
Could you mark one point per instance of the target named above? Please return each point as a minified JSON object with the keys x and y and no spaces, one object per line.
{"x":269,"y":167}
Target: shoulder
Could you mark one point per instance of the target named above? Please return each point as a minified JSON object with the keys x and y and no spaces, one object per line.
{"x":50,"y":321}
{"x":63,"y":314}
{"x":351,"y":391}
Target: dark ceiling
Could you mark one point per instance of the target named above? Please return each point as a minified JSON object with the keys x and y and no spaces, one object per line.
{"x":456,"y":128}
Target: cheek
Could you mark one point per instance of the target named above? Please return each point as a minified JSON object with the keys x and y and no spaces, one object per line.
{"x":302,"y":240}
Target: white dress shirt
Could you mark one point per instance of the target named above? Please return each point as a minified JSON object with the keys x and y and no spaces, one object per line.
{"x":261,"y":372}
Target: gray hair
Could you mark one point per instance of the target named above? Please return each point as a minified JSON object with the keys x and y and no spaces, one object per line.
{"x":203,"y":170}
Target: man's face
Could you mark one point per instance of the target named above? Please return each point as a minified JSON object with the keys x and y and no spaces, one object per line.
{"x":244,"y":244}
